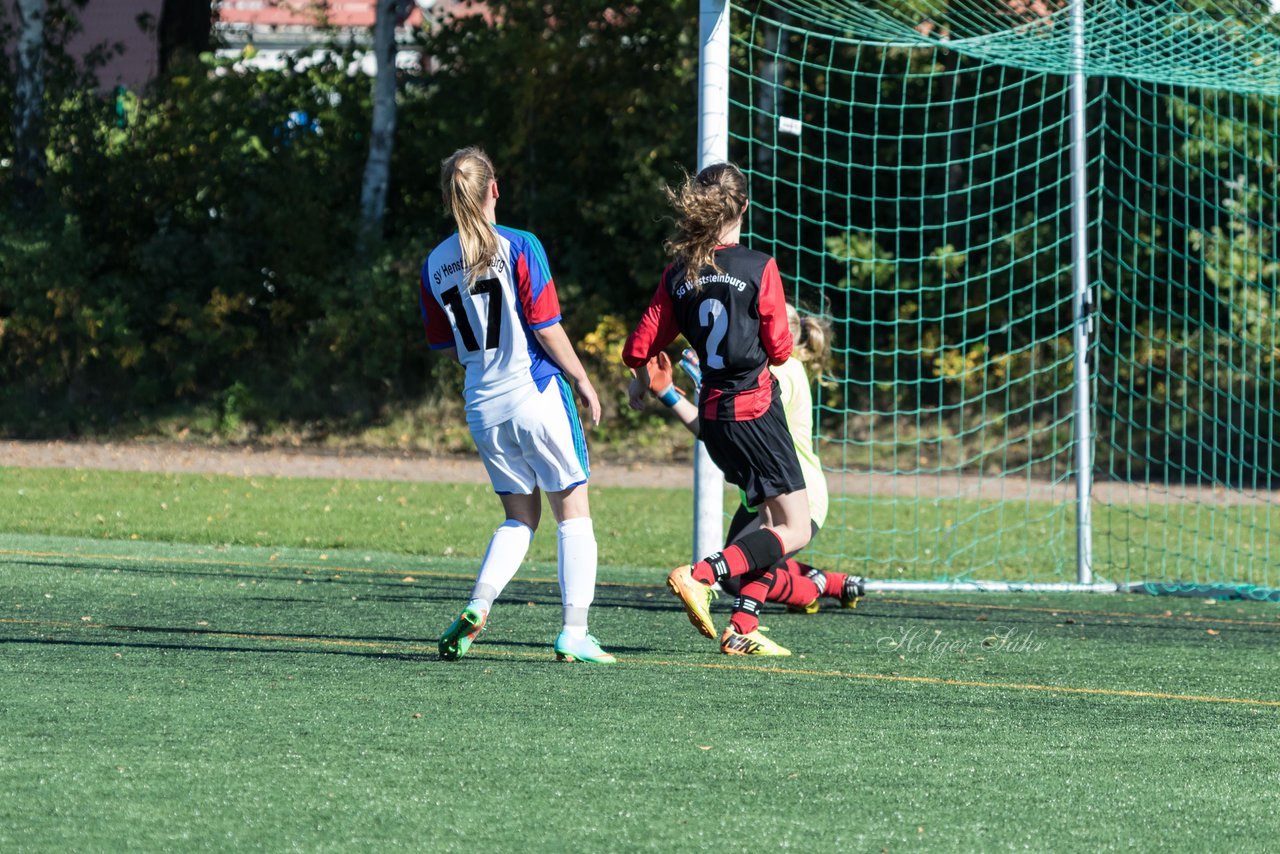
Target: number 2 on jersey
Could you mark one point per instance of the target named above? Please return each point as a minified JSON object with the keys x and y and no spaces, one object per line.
{"x":712,"y":313}
{"x":493,"y":324}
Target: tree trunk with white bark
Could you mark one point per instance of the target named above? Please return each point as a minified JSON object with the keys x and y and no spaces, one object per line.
{"x":29,"y":164}
{"x":377,"y":170}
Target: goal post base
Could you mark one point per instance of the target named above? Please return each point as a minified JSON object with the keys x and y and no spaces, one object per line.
{"x":872,"y":586}
{"x":1190,"y":590}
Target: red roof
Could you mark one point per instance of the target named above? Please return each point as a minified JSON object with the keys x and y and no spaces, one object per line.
{"x":305,"y":13}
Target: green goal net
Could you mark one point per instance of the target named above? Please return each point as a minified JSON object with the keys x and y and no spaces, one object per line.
{"x":912,"y":166}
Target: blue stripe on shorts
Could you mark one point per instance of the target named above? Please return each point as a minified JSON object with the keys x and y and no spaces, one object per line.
{"x":575,"y":423}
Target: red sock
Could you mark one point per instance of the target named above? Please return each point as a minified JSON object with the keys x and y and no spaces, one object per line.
{"x":758,"y":550}
{"x":792,"y":587}
{"x":835,"y":584}
{"x":746,"y":608}
{"x":729,"y":562}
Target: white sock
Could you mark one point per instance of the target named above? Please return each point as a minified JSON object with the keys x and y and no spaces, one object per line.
{"x":576,"y":548}
{"x":507,"y":548}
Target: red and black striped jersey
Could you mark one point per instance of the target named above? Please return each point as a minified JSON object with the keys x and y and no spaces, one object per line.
{"x":736,"y":319}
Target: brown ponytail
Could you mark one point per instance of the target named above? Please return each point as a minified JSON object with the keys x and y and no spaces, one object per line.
{"x":706,"y":204}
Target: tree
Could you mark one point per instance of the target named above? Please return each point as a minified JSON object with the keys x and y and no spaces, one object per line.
{"x":377,"y":170}
{"x":585,"y":107}
{"x":185,"y":28}
{"x":29,"y":165}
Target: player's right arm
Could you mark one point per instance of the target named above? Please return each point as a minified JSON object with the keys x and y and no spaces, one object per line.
{"x":436,"y":323}
{"x":657,"y":328}
{"x":662,"y":384}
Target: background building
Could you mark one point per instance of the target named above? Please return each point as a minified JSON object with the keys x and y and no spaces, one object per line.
{"x":284,"y":28}
{"x":130,"y":30}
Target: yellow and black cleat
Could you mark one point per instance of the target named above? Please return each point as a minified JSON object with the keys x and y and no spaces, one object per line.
{"x":752,"y":643}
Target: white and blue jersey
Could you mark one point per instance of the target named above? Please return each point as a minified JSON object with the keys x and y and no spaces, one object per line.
{"x":491,"y":323}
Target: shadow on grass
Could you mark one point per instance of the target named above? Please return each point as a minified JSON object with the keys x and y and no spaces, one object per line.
{"x":1040,"y":616}
{"x":190,"y":647}
{"x":357,"y":582}
{"x":360,"y":583}
{"x":305,"y":641}
{"x":451,"y":591}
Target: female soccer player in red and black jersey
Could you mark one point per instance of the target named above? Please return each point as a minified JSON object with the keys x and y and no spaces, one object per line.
{"x":797,"y":585}
{"x":727,"y":301}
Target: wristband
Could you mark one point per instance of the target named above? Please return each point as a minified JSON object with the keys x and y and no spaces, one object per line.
{"x":669,"y":395}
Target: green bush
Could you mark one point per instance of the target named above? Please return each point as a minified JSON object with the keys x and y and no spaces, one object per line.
{"x":200,"y":256}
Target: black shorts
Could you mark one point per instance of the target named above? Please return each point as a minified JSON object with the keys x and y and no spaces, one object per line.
{"x":758,"y":455}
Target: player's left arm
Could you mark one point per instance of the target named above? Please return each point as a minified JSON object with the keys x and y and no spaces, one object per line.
{"x":775,"y":334}
{"x":554,"y":340}
{"x":540,"y":306}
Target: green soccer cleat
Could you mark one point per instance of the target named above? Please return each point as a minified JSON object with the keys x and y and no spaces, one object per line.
{"x":457,"y":639}
{"x":696,"y":598}
{"x":752,"y":643}
{"x":586,"y":648}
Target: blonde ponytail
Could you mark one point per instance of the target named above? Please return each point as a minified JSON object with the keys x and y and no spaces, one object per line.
{"x":464,"y":183}
{"x":811,"y":340}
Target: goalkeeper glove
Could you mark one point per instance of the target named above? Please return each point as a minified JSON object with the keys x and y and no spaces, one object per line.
{"x":689,"y":362}
{"x":661,"y":382}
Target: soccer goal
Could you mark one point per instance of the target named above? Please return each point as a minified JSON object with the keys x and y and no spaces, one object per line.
{"x":1047,"y":233}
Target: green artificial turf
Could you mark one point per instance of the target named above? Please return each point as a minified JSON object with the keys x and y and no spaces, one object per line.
{"x":200,"y":696}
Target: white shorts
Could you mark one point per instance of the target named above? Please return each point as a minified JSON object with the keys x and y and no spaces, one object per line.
{"x":542,"y":445}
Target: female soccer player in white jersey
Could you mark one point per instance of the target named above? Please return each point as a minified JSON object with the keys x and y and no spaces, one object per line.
{"x":488,"y":300}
